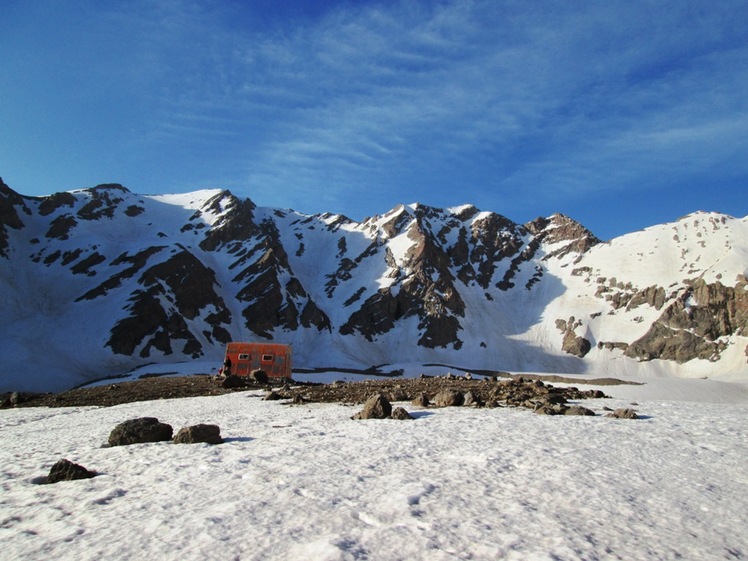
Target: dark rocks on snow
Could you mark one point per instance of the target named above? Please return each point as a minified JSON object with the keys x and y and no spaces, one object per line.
{"x":258,"y":376}
{"x":232,"y":381}
{"x":376,"y":407}
{"x":400,"y":414}
{"x":579,"y":410}
{"x":65,"y":470}
{"x":210,"y":434}
{"x":623,"y":414}
{"x":140,"y":430}
{"x":449,"y":398}
{"x":421,"y":400}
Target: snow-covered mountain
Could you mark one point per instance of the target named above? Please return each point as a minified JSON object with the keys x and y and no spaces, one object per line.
{"x":98,"y":281}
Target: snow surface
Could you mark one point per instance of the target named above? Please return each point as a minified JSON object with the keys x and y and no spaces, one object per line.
{"x":306,"y":482}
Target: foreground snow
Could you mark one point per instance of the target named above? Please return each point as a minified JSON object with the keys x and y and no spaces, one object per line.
{"x":306,"y":482}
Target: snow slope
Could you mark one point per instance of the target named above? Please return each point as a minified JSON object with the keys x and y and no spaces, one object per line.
{"x":101,"y":282}
{"x":306,"y":482}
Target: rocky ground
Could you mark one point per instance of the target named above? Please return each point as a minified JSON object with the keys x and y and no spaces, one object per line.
{"x":490,"y":391}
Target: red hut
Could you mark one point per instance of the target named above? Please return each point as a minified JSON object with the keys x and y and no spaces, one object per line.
{"x":273,"y":358}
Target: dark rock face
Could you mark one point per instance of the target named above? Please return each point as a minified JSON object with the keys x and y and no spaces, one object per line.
{"x":140,"y":430}
{"x":9,"y":217}
{"x":690,"y":326}
{"x":210,"y":434}
{"x":189,"y":287}
{"x":376,"y":407}
{"x":65,"y":470}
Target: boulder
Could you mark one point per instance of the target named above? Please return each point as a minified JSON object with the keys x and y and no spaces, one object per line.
{"x":623,"y":414}
{"x":579,"y":410}
{"x":258,"y":376}
{"x":65,"y":470}
{"x":548,"y":409}
{"x":421,"y":401}
{"x":400,"y":414}
{"x":471,"y":399}
{"x":449,"y":398}
{"x":140,"y":430}
{"x":376,"y":407}
{"x":232,"y":381}
{"x":210,"y":434}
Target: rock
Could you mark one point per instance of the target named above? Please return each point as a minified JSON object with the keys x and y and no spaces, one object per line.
{"x":136,"y":431}
{"x":623,"y":414}
{"x":398,"y":395}
{"x":575,"y":345}
{"x":65,"y":470}
{"x":555,"y":398}
{"x":376,"y":407}
{"x":259,"y":376}
{"x":210,"y":434}
{"x":449,"y":398}
{"x":548,"y":409}
{"x":579,"y":410}
{"x":232,"y":381}
{"x":400,"y":414}
{"x":421,"y":401}
{"x":471,"y":399}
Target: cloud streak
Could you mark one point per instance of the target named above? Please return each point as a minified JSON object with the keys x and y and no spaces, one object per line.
{"x":357,"y":107}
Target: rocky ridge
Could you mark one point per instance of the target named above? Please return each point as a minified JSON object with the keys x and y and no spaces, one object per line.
{"x":174,"y":277}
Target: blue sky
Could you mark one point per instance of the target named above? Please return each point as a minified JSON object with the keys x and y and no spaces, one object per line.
{"x":620,"y":114}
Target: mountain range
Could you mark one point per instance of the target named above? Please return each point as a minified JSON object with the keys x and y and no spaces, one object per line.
{"x":97,"y":282}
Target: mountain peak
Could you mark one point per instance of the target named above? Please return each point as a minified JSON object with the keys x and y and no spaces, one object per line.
{"x":164,"y":278}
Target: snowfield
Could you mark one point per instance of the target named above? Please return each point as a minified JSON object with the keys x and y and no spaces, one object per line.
{"x":306,"y":482}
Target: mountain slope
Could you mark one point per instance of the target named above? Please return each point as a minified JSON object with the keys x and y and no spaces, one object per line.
{"x":99,"y":281}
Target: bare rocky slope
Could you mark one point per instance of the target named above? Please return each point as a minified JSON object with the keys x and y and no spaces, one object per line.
{"x":99,"y":281}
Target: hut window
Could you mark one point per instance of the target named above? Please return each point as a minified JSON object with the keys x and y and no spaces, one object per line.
{"x":267,"y":358}
{"x":244,"y":356}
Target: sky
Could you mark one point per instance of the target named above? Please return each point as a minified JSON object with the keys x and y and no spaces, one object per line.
{"x":619,"y":114}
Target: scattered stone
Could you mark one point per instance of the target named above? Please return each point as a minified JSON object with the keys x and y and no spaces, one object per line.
{"x":400,"y":414}
{"x":623,"y":414}
{"x":258,"y":376}
{"x":449,"y":398}
{"x":232,"y":381}
{"x":471,"y":399}
{"x":579,"y":410}
{"x":548,"y":409}
{"x":421,"y":400}
{"x":376,"y":407}
{"x":140,"y":430}
{"x":398,"y":394}
{"x":210,"y":434}
{"x":65,"y":470}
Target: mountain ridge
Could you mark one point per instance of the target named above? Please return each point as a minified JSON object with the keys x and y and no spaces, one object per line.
{"x":108,"y":280}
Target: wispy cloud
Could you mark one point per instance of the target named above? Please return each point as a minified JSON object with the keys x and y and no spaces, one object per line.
{"x":363,"y":105}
